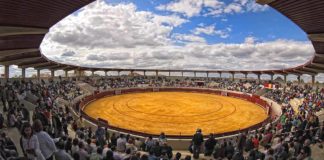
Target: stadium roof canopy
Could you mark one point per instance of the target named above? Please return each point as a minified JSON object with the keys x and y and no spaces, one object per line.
{"x":23,"y":25}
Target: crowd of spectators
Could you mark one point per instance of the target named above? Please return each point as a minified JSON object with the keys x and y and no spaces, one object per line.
{"x":49,"y":136}
{"x":247,"y":86}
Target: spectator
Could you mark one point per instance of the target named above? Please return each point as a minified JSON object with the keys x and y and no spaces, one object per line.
{"x":209,"y":145}
{"x":121,"y":143}
{"x":197,"y":141}
{"x":61,"y":154}
{"x":30,"y":144}
{"x":48,"y":146}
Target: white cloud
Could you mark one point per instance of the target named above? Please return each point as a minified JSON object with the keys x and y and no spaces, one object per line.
{"x":68,"y":54}
{"x":233,"y":8}
{"x":250,"y":5}
{"x":211,"y":30}
{"x":189,"y":38}
{"x":187,"y":7}
{"x":190,"y":8}
{"x":249,"y":40}
{"x":100,"y":25}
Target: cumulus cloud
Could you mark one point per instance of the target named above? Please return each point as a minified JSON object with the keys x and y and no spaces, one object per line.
{"x":187,"y":7}
{"x":211,"y":30}
{"x":68,"y":54}
{"x":188,"y":38}
{"x":112,"y":57}
{"x":249,"y":40}
{"x":190,"y":8}
{"x":102,"y":25}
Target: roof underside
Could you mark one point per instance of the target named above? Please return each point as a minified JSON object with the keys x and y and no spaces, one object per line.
{"x":23,"y":25}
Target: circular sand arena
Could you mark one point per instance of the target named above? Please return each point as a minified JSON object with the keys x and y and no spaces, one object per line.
{"x":176,"y":113}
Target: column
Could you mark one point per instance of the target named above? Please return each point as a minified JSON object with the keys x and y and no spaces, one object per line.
{"x":207,"y":74}
{"x":298,"y":79}
{"x":156,"y":73}
{"x":52,"y":73}
{"x":92,"y":73}
{"x":118,"y":73}
{"x":259,"y":78}
{"x":76,"y":74}
{"x":169,"y":73}
{"x":271,"y":75}
{"x":313,"y":80}
{"x":106,"y":73}
{"x":194,"y":74}
{"x":245,"y":75}
{"x":66,"y":73}
{"x":79,"y":74}
{"x":23,"y":73}
{"x":233,"y":74}
{"x":38,"y":74}
{"x":220,"y":74}
{"x":6,"y":72}
{"x":144,"y":73}
{"x":181,"y":74}
{"x":285,"y":79}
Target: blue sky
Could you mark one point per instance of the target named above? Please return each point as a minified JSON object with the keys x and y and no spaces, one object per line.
{"x":265,"y":25}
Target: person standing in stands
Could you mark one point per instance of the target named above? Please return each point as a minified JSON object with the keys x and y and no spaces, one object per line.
{"x":100,"y":135}
{"x":47,"y":144}
{"x":197,"y":141}
{"x":121,"y":143}
{"x":1,"y":121}
{"x":210,"y":144}
{"x":3,"y":97}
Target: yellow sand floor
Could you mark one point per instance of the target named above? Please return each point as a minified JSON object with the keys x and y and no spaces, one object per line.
{"x":176,"y":113}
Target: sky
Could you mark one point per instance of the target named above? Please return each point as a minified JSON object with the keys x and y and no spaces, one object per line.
{"x":178,"y":34}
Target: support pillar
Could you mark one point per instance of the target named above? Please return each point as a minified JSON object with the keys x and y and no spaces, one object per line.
{"x":118,"y":73}
{"x":220,"y":74}
{"x":66,"y":73}
{"x":79,"y":74}
{"x":23,"y":73}
{"x":181,"y":74}
{"x":169,"y":73}
{"x":38,"y":74}
{"x":92,"y":73}
{"x":207,"y":74}
{"x":144,"y":73}
{"x":156,"y":73}
{"x":233,"y":74}
{"x":313,"y":80}
{"x":194,"y":74}
{"x":6,"y":72}
{"x":298,"y":79}
{"x":106,"y":73}
{"x":259,"y":78}
{"x":285,"y":79}
{"x":52,"y":73}
{"x":271,"y":75}
{"x":245,"y":76}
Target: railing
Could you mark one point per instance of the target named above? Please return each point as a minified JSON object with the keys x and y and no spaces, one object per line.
{"x":251,"y":98}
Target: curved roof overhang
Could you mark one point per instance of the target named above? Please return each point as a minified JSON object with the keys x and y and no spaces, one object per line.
{"x":23,"y":25}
